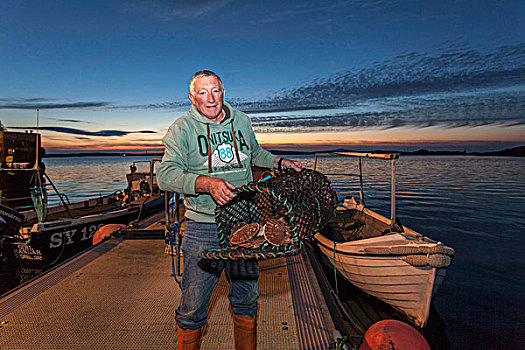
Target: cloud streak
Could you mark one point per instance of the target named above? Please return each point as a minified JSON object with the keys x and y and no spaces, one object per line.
{"x":450,"y":110}
{"x":104,"y":133}
{"x":167,"y":10}
{"x":301,"y":8}
{"x":460,"y":87}
{"x":154,"y":106}
{"x":43,"y":103}
{"x":411,"y":74}
{"x":70,"y":120}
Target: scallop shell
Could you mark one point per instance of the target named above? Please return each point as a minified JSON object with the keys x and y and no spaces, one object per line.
{"x":254,"y":242}
{"x":275,"y":231}
{"x":244,"y":233}
{"x":238,"y":225}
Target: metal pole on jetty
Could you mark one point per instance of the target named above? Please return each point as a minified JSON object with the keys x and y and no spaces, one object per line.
{"x":393,"y":194}
{"x":361,"y":191}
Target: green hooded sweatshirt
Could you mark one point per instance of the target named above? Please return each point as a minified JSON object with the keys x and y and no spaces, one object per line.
{"x":195,"y":146}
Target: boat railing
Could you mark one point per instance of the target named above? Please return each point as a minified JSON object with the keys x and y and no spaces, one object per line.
{"x":386,"y":156}
{"x":136,"y":176}
{"x":62,"y":196}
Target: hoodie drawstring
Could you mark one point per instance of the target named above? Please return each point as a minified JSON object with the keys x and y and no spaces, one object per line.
{"x":209,"y":147}
{"x":235,"y":147}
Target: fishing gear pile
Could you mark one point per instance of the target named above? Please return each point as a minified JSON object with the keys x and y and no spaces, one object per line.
{"x":273,"y":217}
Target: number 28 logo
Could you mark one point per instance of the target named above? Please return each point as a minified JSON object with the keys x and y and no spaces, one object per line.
{"x":225,"y":152}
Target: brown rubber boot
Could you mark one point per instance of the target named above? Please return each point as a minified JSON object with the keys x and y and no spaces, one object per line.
{"x":188,"y":339}
{"x":245,"y":332}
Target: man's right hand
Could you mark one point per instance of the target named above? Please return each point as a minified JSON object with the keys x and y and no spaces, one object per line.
{"x":219,"y":189}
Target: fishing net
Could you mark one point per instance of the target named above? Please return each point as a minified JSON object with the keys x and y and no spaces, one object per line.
{"x":273,"y":217}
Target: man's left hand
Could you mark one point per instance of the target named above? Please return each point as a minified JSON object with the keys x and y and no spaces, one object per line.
{"x":288,"y":163}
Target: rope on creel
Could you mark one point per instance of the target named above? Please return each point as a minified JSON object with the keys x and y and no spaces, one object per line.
{"x":304,"y":201}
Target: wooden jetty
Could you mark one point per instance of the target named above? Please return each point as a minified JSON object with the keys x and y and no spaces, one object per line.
{"x":120,"y":294}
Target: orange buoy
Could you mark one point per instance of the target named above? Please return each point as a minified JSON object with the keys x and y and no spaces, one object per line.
{"x":106,"y":231}
{"x":392,"y":334}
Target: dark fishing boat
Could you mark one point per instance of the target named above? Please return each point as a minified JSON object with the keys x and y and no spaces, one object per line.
{"x":32,"y":232}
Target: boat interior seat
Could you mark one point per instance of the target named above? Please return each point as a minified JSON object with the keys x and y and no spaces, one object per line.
{"x":344,"y":230}
{"x":351,"y":225}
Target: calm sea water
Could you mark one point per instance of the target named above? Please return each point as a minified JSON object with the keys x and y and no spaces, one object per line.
{"x":476,"y":205}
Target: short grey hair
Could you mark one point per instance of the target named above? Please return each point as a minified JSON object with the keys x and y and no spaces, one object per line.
{"x":202,"y":74}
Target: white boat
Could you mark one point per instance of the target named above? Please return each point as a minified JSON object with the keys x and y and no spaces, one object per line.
{"x":384,"y":258}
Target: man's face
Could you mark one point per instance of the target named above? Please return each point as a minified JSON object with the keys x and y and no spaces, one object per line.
{"x":208,"y":97}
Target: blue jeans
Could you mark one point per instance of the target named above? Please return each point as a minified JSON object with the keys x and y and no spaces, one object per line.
{"x":200,"y":277}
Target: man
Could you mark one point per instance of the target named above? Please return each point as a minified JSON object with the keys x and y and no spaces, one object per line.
{"x":208,"y":153}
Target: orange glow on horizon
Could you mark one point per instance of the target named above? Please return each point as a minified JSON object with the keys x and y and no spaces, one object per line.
{"x":96,"y":144}
{"x":402,"y":136}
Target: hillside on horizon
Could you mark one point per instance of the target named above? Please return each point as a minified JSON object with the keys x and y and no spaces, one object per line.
{"x":518,"y":151}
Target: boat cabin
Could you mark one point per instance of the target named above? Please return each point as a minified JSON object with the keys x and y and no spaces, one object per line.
{"x":20,"y":162}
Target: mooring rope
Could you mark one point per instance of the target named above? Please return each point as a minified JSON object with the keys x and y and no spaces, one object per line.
{"x":61,"y":252}
{"x":335,"y":274}
{"x":172,"y":230}
{"x":342,"y":343}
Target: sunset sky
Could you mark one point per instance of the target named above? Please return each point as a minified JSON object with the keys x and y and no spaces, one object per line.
{"x":375,"y":74}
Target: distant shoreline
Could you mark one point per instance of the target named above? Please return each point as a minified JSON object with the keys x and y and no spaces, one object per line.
{"x":509,"y":152}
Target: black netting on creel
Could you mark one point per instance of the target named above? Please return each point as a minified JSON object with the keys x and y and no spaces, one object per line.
{"x":303,"y":202}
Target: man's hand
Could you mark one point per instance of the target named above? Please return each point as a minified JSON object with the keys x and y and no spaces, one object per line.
{"x":219,"y":189}
{"x":288,"y":163}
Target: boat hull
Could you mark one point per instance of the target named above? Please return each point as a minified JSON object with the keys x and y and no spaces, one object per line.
{"x":403,"y":269}
{"x":406,"y":288}
{"x":57,"y":240}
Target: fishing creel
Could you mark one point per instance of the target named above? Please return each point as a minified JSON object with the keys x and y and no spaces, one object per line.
{"x":294,"y":204}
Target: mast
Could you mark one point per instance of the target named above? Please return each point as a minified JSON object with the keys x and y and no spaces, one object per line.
{"x":37,"y":138}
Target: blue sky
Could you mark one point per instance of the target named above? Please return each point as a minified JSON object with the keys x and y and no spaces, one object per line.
{"x":406,"y":74}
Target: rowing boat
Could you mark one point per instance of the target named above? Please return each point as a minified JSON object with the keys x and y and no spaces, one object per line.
{"x":384,"y":258}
